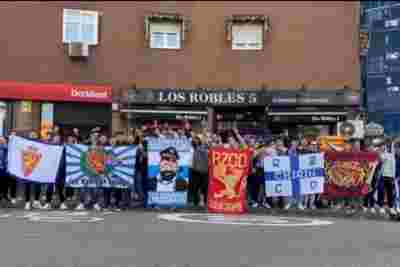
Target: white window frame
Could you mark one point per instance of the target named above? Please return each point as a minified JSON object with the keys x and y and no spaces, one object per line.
{"x":79,"y":19}
{"x":247,"y":36}
{"x":164,"y":29}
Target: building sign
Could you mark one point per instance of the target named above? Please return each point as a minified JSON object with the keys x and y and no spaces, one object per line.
{"x":317,"y":98}
{"x":306,"y":119}
{"x":55,"y":92}
{"x":197,"y":97}
{"x":245,"y":97}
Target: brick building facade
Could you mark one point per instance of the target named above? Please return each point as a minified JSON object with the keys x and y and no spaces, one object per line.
{"x":308,"y":59}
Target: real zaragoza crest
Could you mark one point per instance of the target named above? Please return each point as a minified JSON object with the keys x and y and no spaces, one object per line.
{"x":31,"y":157}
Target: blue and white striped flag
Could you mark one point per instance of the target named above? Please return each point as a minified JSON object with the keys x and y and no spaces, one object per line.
{"x":111,"y":167}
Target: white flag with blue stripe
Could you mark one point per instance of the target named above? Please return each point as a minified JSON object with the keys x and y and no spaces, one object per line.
{"x":287,"y":176}
{"x":278,"y":176}
{"x":310,"y":174}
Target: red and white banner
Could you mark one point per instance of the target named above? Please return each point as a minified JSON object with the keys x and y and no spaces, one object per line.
{"x":228,"y":171}
{"x":55,"y":92}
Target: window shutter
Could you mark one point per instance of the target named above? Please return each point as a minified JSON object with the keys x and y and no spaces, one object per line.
{"x":71,"y":26}
{"x":90,"y":26}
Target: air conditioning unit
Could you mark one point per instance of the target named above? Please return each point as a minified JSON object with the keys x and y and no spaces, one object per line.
{"x":351,"y":129}
{"x":78,"y":50}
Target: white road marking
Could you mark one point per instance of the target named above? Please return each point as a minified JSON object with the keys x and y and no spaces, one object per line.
{"x":61,"y":217}
{"x":249,"y":220}
{"x":6,"y":215}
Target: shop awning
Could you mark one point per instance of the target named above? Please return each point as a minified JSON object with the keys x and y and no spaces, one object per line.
{"x":55,"y":92}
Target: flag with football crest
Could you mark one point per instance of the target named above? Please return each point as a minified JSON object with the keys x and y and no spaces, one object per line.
{"x":33,"y":161}
{"x":112,"y":167}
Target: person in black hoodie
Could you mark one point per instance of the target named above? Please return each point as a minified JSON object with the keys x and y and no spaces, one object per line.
{"x":4,"y":182}
{"x":60,"y":180}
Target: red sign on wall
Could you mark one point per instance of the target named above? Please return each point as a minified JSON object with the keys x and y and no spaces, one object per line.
{"x":55,"y":92}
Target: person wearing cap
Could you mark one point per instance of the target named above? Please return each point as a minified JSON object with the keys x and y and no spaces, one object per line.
{"x":168,"y":180}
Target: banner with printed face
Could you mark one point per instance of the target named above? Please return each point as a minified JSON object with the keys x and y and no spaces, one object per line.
{"x":33,"y":161}
{"x":287,"y":176}
{"x":228,"y":171}
{"x":168,"y":171}
{"x":349,"y":174}
{"x":111,"y":167}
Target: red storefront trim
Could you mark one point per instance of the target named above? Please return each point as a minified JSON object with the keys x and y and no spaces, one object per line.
{"x":55,"y":92}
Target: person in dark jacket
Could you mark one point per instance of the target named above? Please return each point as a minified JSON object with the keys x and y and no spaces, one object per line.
{"x":200,"y":171}
{"x":5,"y":179}
{"x":60,"y":179}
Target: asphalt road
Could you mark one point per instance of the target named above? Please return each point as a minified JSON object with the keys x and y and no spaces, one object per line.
{"x":138,"y":238}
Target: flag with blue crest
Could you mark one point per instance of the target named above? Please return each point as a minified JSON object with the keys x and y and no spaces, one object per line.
{"x":168,"y":171}
{"x":112,"y":167}
{"x":287,"y":176}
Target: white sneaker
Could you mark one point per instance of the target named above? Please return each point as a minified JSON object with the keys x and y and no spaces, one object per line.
{"x":392,"y":211}
{"x":365,"y":209}
{"x":300,"y":206}
{"x":288,"y":206}
{"x":47,"y":206}
{"x":266,"y":205}
{"x":382,"y":211}
{"x":97,"y":207}
{"x":254,"y":205}
{"x":13,"y":201}
{"x":398,"y":210}
{"x":28,"y":206}
{"x":338,"y":207}
{"x":36,"y":205}
{"x":63,"y":206}
{"x":373,"y":210}
{"x":313,"y":207}
{"x":80,"y":207}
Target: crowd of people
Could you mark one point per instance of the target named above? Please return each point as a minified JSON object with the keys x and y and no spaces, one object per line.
{"x":384,"y":183}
